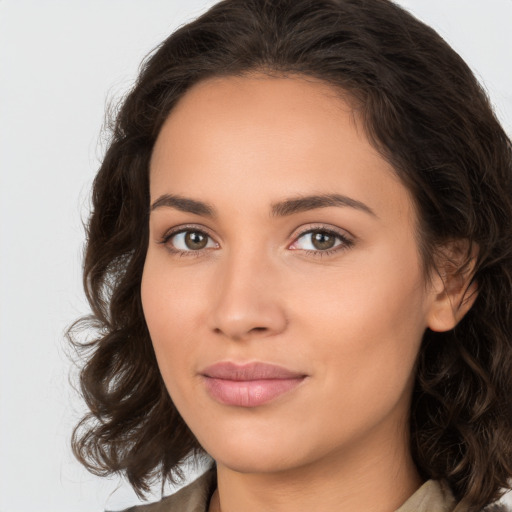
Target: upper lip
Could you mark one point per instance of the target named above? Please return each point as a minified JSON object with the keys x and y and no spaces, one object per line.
{"x":252,"y":371}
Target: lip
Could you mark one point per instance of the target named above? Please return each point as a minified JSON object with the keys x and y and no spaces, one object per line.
{"x":249,"y":385}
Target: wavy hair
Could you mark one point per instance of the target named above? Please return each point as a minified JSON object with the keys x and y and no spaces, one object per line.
{"x":425,"y":112}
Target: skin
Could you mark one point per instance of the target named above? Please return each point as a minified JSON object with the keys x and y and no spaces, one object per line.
{"x":352,"y":320}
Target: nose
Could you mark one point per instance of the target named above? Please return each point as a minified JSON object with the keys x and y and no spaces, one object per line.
{"x":247,"y":302}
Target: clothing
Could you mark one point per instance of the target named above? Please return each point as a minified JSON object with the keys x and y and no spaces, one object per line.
{"x":432,"y":496}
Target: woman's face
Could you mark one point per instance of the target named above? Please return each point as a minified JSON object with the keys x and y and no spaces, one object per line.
{"x":242,"y":267}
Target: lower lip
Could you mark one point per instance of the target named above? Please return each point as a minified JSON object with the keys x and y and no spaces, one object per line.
{"x":248,"y":393}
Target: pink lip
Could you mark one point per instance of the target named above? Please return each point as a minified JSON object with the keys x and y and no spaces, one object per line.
{"x":249,"y":385}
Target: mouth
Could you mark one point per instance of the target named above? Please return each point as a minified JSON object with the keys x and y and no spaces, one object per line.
{"x":249,"y":385}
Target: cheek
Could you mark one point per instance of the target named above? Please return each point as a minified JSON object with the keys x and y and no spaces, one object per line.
{"x":369,"y":323}
{"x":169,"y":313}
{"x":169,"y":295}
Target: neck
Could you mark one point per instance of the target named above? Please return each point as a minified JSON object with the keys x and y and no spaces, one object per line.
{"x":370,"y":478}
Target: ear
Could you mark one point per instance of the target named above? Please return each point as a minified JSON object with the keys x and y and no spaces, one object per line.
{"x":453,"y":287}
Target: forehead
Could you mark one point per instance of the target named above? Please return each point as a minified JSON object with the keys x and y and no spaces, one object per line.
{"x":265,"y":138}
{"x":261,"y":89}
{"x":249,"y":109}
{"x":257,"y":101}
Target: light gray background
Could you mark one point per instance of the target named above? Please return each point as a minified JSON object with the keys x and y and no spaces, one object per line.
{"x":60,"y":61}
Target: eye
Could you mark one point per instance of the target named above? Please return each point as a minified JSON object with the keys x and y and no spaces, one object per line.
{"x":189,"y":241}
{"x":320,"y":241}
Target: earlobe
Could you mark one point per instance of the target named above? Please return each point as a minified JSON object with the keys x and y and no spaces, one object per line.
{"x":454,"y":289}
{"x":448,"y":309}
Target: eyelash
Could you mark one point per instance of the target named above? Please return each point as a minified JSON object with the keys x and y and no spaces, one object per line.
{"x":345,"y":244}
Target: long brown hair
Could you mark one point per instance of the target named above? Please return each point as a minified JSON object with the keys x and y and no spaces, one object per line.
{"x":426,"y":113}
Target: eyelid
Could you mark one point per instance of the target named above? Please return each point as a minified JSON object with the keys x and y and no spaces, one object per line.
{"x":297,"y":233}
{"x":186,"y":227}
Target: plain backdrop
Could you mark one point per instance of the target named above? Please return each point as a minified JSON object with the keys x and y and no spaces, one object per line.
{"x":60,"y":63}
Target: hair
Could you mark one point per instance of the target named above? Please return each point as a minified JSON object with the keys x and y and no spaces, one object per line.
{"x":426,"y":114}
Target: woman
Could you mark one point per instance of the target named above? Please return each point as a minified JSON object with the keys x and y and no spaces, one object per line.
{"x":299,"y":263}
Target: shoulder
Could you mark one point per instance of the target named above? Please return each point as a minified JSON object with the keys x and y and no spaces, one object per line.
{"x":194,"y":497}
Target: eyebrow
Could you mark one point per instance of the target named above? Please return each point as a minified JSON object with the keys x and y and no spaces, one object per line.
{"x":283,"y":208}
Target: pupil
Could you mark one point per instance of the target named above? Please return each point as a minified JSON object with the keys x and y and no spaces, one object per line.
{"x":322,"y":240}
{"x":195,"y":240}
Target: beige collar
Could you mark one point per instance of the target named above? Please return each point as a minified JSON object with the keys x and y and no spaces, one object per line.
{"x":432,"y":496}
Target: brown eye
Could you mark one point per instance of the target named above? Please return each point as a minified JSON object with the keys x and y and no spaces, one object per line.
{"x":322,"y":240}
{"x":188,"y":241}
{"x":195,"y":240}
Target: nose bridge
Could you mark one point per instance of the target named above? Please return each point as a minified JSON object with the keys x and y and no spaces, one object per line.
{"x":247,"y":299}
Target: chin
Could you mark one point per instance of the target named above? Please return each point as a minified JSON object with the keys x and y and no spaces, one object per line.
{"x":248,"y":454}
{"x":254,"y":463}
